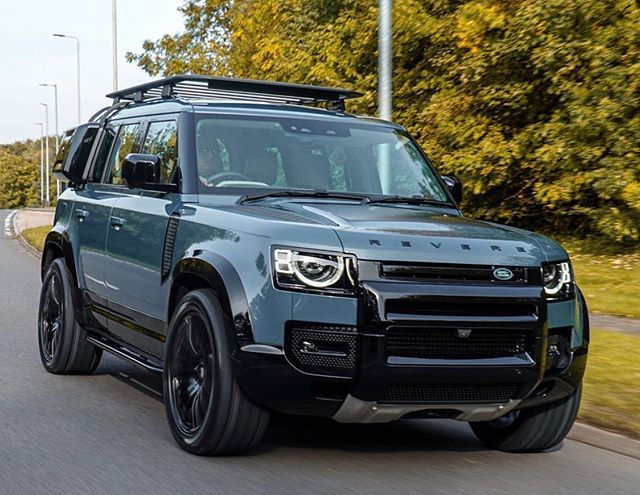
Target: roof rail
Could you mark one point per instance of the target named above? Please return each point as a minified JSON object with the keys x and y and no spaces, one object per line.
{"x":227,"y":88}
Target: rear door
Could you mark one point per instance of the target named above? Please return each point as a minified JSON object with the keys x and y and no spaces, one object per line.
{"x":90,"y":220}
{"x":135,"y":245}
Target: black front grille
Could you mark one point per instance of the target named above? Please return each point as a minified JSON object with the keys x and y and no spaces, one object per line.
{"x":456,"y":307}
{"x":454,"y":343}
{"x":449,"y":393}
{"x":478,"y":274}
{"x":322,"y":349}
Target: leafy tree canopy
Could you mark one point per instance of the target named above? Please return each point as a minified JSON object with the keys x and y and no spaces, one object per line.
{"x":17,"y":178}
{"x":533,"y":103}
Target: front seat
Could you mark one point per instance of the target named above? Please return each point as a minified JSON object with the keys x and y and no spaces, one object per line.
{"x":261,"y":166}
{"x":309,"y":171}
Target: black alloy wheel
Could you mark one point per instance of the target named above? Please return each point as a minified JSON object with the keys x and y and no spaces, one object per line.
{"x":190,"y":372}
{"x":208,"y":413}
{"x":62,"y":341}
{"x":52,"y":318}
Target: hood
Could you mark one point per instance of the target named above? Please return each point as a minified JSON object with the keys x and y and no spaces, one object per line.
{"x":420,"y":234}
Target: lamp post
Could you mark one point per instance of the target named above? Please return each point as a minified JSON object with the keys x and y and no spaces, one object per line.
{"x":46,"y":145}
{"x":41,"y":161}
{"x":114,"y":42}
{"x":58,"y":35}
{"x":384,"y":60}
{"x":384,"y":87}
{"x":55,"y":111}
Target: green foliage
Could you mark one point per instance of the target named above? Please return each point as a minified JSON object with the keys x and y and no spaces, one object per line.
{"x":533,"y":103}
{"x":36,"y":236}
{"x":611,"y":391}
{"x":17,"y":178}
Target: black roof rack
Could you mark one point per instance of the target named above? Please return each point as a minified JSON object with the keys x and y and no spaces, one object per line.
{"x":227,"y":88}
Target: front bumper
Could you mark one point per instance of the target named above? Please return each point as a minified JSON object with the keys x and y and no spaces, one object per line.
{"x":371,"y":384}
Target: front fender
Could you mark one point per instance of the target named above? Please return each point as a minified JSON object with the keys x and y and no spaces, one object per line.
{"x":220,"y":274}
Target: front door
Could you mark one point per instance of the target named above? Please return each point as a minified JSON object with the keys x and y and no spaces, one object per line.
{"x":135,"y":246}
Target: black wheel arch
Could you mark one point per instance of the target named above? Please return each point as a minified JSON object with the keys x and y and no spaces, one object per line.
{"x":210,"y":270}
{"x":58,"y":245}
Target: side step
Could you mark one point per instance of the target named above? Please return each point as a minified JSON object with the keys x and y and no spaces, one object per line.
{"x":125,"y":354}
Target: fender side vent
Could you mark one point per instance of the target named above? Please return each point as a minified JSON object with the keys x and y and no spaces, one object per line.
{"x":169,"y":242}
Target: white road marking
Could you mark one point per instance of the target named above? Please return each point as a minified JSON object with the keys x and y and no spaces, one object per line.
{"x":8,"y":224}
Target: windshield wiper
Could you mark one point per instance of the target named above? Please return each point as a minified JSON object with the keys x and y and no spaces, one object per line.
{"x":307,"y":194}
{"x":409,"y":200}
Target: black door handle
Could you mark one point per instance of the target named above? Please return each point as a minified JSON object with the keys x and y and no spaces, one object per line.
{"x":117,"y":222}
{"x":81,"y":214}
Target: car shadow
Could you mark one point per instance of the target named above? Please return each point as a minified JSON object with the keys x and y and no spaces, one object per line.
{"x":302,"y":432}
{"x":409,"y":435}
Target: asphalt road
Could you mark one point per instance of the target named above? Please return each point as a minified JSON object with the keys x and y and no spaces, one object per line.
{"x":106,"y":434}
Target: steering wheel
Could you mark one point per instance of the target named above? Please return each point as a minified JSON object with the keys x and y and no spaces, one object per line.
{"x":222,"y":176}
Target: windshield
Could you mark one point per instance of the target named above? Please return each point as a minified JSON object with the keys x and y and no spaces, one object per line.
{"x":263,"y":154}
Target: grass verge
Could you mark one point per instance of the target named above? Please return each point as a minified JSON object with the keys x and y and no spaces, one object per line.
{"x":36,"y":236}
{"x":610,"y":281}
{"x":611,"y":394}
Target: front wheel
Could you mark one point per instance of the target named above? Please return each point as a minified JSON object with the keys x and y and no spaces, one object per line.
{"x":207,"y":412}
{"x":530,"y":430}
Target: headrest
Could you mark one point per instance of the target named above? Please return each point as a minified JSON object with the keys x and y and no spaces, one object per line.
{"x":261,"y":165}
{"x":309,"y":171}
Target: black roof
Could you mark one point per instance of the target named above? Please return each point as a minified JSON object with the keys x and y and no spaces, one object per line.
{"x":227,"y":88}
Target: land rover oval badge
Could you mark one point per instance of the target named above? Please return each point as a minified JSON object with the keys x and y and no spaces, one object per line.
{"x":503,"y":274}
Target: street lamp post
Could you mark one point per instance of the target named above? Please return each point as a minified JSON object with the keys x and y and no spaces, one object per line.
{"x":41,"y":161}
{"x":46,"y":145}
{"x":114,"y":43}
{"x":58,"y":35}
{"x":385,"y":72}
{"x":384,"y":60}
{"x":55,"y":111}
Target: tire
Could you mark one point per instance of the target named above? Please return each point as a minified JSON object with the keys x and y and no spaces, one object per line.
{"x":530,"y":430}
{"x":61,"y":340}
{"x":207,"y":412}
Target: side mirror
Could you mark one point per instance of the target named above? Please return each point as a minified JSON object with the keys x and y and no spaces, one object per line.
{"x":455,"y":187}
{"x":141,"y":171}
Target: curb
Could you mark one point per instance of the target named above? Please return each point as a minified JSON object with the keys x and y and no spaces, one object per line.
{"x":606,"y":440}
{"x":32,"y":250}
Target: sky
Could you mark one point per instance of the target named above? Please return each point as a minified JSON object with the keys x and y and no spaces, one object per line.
{"x":31,"y":55}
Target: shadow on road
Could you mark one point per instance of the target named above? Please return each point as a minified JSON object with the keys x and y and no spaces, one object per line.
{"x":319,"y":433}
{"x":400,"y":436}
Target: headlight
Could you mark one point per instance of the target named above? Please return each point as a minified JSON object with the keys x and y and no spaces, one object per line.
{"x":556,"y":278}
{"x":309,"y":270}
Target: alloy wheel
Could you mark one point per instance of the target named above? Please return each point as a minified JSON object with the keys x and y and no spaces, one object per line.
{"x":190,"y":374}
{"x":52,"y":318}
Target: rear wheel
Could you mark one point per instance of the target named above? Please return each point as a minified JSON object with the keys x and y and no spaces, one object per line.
{"x":62,"y":343}
{"x":530,"y":430}
{"x":207,"y":412}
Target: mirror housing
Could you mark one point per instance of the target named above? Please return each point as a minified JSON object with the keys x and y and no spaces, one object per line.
{"x":141,"y":171}
{"x":72,"y":159}
{"x":455,"y":187}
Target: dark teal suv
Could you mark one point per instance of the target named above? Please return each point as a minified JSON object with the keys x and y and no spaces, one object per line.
{"x":264,"y":250}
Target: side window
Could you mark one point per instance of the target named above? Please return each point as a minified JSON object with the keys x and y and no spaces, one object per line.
{"x":103,"y":154}
{"x":124,"y":144}
{"x":162,"y":140}
{"x":71,"y":161}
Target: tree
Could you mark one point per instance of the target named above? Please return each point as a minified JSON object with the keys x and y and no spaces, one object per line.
{"x":17,"y":178}
{"x":534,"y":103}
